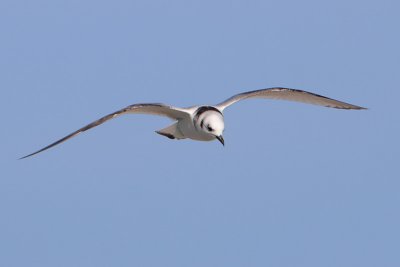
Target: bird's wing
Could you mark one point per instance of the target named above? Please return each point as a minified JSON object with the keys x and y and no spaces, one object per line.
{"x":288,"y":94}
{"x":151,"y":108}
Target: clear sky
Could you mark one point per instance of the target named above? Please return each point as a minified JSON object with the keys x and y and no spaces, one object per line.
{"x":295,"y":185}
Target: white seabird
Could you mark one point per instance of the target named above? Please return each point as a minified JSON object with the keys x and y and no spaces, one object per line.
{"x":206,"y":123}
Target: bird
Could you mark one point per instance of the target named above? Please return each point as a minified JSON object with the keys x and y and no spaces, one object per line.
{"x":206,"y":122}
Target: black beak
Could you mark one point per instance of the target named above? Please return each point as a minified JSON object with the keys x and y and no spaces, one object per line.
{"x":221,"y":139}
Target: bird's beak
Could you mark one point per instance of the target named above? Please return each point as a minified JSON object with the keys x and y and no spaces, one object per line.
{"x":221,"y":139}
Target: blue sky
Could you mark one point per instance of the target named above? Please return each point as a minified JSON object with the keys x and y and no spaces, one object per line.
{"x":295,"y":185}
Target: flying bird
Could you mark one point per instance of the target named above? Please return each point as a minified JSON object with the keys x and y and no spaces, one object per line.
{"x":206,"y":123}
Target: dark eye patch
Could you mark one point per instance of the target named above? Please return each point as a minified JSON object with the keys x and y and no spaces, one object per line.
{"x":209,"y":128}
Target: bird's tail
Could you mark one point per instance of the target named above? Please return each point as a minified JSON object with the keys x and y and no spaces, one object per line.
{"x":172,"y":132}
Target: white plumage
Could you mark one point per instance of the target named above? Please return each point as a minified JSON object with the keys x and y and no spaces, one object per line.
{"x":206,"y":123}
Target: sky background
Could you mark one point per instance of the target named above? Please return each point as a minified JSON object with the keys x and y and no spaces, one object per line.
{"x":295,"y":184}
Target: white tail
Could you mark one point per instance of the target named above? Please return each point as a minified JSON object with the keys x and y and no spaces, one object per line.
{"x":172,"y":132}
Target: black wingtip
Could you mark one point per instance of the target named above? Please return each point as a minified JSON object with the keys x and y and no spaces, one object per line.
{"x":351,"y":107}
{"x":27,"y":156}
{"x":360,"y":108}
{"x":37,"y":152}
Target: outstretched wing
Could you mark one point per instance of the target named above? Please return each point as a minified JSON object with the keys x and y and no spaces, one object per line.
{"x":151,"y":108}
{"x":291,"y":95}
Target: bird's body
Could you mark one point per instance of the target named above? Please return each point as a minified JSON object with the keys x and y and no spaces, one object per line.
{"x":195,"y":125}
{"x":206,"y":123}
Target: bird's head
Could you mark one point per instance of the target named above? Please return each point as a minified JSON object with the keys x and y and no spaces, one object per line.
{"x":212,"y":123}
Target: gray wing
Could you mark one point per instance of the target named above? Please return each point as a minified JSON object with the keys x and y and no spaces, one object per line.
{"x":151,"y":108}
{"x":291,"y":95}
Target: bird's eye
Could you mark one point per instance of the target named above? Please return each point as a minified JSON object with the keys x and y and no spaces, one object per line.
{"x":209,"y":128}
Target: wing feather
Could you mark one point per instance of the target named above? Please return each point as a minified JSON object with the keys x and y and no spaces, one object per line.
{"x":291,"y":95}
{"x":150,"y":108}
